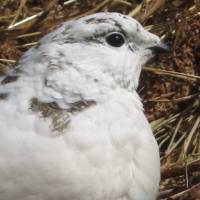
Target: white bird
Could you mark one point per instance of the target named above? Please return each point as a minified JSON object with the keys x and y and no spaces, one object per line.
{"x":72,"y":125}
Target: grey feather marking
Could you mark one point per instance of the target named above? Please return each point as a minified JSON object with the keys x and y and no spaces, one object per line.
{"x":60,"y":117}
{"x":109,"y":20}
{"x":9,"y":79}
{"x":3,"y":96}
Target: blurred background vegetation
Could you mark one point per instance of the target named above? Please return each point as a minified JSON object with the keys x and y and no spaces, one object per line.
{"x":169,"y":85}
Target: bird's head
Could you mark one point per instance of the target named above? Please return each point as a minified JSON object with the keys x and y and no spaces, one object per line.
{"x":92,"y":53}
{"x":109,"y":43}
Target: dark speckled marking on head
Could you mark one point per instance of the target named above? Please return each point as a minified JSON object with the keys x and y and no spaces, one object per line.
{"x":125,"y":17}
{"x":119,"y":26}
{"x":68,"y":37}
{"x":3,"y":96}
{"x":94,"y":38}
{"x":88,"y":21}
{"x":95,"y":20}
{"x":108,"y":20}
{"x":133,"y":47}
{"x":65,"y":31}
{"x":9,"y":79}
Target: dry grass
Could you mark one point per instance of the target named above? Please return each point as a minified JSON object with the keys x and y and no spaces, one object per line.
{"x":169,"y":85}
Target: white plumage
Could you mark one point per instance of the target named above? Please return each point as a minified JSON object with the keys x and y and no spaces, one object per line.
{"x":71,"y":123}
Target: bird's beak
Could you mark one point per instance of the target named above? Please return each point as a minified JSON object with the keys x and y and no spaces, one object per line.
{"x":160,"y":48}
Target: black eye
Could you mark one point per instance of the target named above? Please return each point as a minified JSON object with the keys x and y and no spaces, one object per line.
{"x":115,"y":39}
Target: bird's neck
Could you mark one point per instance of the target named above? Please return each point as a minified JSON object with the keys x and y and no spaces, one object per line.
{"x":24,"y":89}
{"x":72,"y":82}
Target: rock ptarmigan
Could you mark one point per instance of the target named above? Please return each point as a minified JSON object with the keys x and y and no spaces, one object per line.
{"x":72,"y":126}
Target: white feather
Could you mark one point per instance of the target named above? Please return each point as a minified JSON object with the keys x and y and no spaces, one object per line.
{"x":107,"y":151}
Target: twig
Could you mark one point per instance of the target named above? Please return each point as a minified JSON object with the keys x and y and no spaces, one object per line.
{"x":28,"y":35}
{"x":28,"y":19}
{"x":22,"y":3}
{"x":164,"y":140}
{"x":174,"y":136}
{"x":177,"y":100}
{"x":188,"y":77}
{"x":66,"y":3}
{"x":191,"y":136}
{"x":123,"y":2}
{"x":7,"y":60}
{"x":27,"y":45}
{"x":178,"y":170}
{"x":187,"y":193}
{"x":135,"y":11}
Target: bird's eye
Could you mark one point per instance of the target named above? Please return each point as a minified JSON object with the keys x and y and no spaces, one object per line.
{"x":115,"y":39}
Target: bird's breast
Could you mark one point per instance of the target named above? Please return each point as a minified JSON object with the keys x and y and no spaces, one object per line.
{"x":107,"y":152}
{"x":117,"y":137}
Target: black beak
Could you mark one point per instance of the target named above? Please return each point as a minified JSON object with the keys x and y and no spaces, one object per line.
{"x":160,"y":48}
